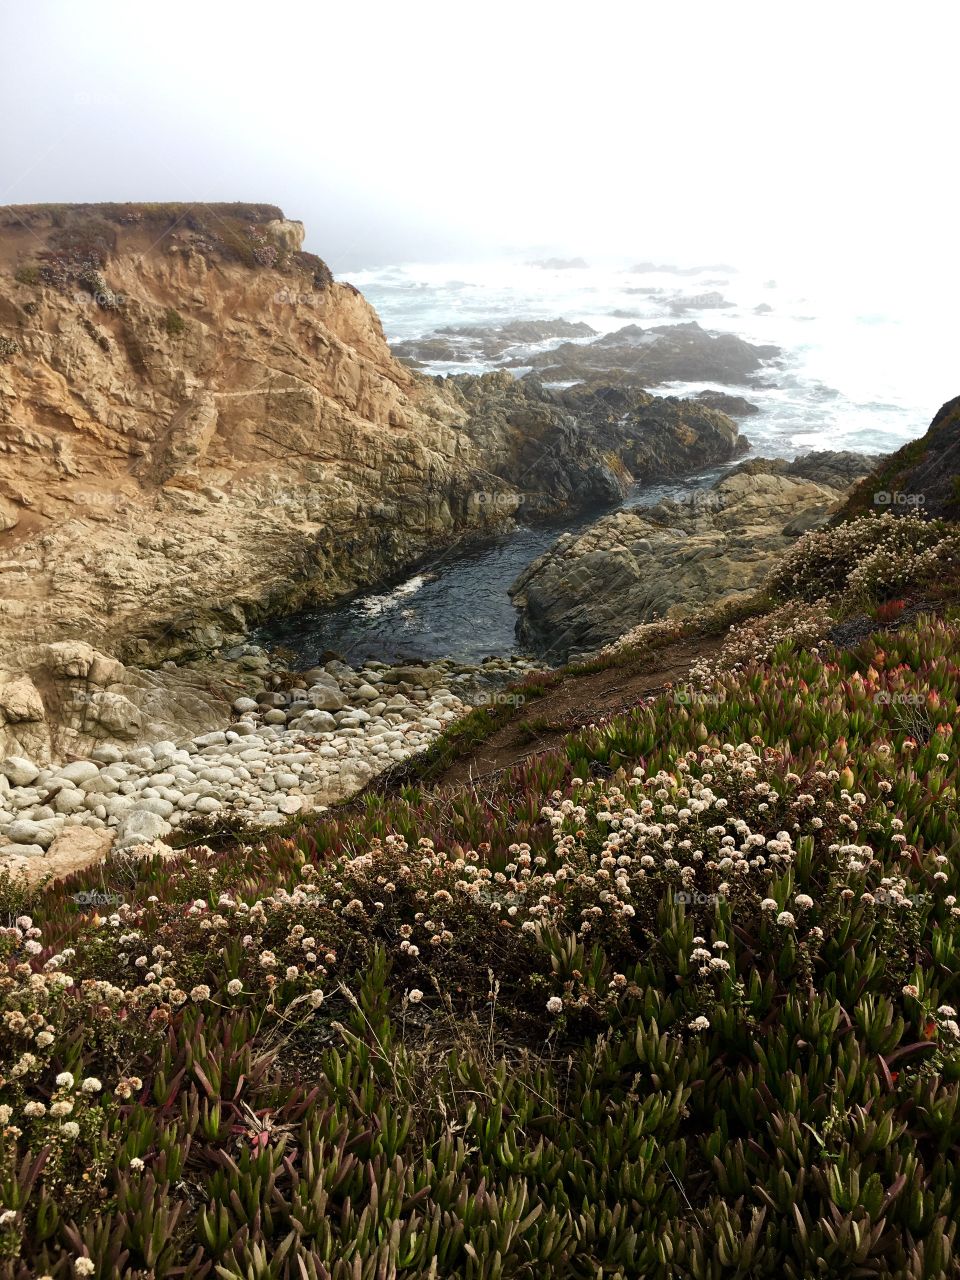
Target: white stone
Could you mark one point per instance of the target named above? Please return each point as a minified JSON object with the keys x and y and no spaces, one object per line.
{"x":68,"y":800}
{"x":163,"y":808}
{"x":20,"y":771}
{"x":141,"y":825}
{"x":218,"y":773}
{"x":42,"y":833}
{"x":78,"y":771}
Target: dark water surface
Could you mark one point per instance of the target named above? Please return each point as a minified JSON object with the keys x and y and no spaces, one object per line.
{"x":455,"y":606}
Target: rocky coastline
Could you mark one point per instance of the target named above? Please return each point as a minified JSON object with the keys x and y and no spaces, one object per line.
{"x":642,"y":564}
{"x":201,"y":429}
{"x":629,"y":356}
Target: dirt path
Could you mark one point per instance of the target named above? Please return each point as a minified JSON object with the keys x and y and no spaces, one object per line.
{"x":575,"y":703}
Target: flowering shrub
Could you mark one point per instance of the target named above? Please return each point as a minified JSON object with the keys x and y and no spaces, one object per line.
{"x":676,"y":1001}
{"x":876,"y":555}
{"x":759,"y":639}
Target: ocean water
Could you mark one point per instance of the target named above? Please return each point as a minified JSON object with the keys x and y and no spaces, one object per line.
{"x":866,"y":363}
{"x":865,"y":366}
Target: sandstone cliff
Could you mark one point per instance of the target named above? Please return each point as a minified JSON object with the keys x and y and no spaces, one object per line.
{"x":198,"y":426}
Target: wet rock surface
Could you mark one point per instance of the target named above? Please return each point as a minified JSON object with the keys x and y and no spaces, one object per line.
{"x":733,"y":406}
{"x":658,"y":354}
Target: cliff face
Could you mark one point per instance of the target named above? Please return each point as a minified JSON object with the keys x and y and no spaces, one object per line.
{"x":197,"y":425}
{"x":188,"y":433}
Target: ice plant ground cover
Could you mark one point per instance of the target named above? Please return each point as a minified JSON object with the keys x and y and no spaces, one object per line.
{"x":678,"y":1000}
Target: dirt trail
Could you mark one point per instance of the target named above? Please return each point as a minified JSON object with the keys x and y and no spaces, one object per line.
{"x":575,"y":703}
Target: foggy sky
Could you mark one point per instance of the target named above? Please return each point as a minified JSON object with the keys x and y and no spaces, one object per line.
{"x":691,"y":131}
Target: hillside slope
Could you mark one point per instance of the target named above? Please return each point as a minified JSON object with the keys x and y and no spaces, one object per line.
{"x":924,"y":475}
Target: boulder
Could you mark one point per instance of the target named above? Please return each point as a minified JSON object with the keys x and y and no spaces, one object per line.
{"x":641,"y":564}
{"x":78,"y":772}
{"x":18,"y":770}
{"x":20,"y":701}
{"x":325,"y":698}
{"x":140,"y":826}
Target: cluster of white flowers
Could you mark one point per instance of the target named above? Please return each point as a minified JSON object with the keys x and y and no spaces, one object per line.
{"x":866,"y":552}
{"x":756,"y":639}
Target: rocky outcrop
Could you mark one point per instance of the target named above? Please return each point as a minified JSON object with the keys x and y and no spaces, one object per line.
{"x":198,"y":427}
{"x":733,"y":406}
{"x":923,"y":476}
{"x":586,"y":446}
{"x":678,"y":557}
{"x":630,"y":356}
{"x":661,"y":353}
{"x":66,"y":699}
{"x":488,"y":342}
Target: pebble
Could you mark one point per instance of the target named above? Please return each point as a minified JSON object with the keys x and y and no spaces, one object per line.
{"x":290,"y":749}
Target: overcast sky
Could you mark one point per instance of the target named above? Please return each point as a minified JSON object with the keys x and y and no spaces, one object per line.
{"x":418,"y":130}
